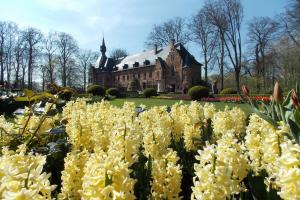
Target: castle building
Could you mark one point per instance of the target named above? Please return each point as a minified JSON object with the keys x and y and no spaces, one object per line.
{"x":168,"y":69}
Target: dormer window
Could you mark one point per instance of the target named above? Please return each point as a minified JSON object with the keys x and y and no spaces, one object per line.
{"x":136,"y":64}
{"x":125,"y":66}
{"x":146,"y":62}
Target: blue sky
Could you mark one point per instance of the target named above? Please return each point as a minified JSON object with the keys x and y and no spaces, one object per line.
{"x":125,"y":23}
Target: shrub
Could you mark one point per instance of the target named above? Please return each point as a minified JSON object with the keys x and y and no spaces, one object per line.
{"x":67,"y":93}
{"x":96,"y":90}
{"x":228,"y":91}
{"x":149,"y":92}
{"x":134,"y":85}
{"x":53,"y":88}
{"x":204,"y":83}
{"x":113,"y":92}
{"x":198,"y":92}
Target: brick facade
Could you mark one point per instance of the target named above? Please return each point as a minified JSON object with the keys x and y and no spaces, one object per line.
{"x":169,"y":69}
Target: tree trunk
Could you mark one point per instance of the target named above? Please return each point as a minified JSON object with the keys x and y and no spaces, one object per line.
{"x":222,"y":58}
{"x":84,"y":76}
{"x":64,"y":76}
{"x":237,"y":80}
{"x":205,"y":67}
{"x":43,"y":83}
{"x":257,"y":70}
{"x":50,"y":68}
{"x":17,"y":75}
{"x":30,"y":68}
{"x":2,"y":61}
{"x":23,"y":77}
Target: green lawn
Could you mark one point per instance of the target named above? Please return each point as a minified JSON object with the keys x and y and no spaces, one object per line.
{"x":149,"y":102}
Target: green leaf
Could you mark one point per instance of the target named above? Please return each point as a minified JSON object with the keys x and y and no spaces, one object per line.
{"x":265,"y":117}
{"x":21,"y":99}
{"x":52,"y":112}
{"x":36,"y":97}
{"x":108,"y":181}
{"x":259,"y":189}
{"x":287,"y":99}
{"x":48,"y":95}
{"x":295,"y":130}
{"x":28,"y":93}
{"x":288,"y":114}
{"x":297,"y":117}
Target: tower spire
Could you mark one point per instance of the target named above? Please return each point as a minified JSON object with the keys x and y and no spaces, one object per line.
{"x":103,"y":47}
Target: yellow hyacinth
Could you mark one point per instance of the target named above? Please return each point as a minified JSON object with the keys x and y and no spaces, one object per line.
{"x":21,"y":175}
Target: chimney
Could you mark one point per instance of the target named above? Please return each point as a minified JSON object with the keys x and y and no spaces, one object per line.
{"x":155,"y":49}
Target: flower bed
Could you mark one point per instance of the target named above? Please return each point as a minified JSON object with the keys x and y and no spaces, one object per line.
{"x":188,"y":151}
{"x":236,"y":99}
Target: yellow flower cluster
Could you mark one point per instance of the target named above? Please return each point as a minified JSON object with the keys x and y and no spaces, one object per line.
{"x":288,"y":174}
{"x":178,"y":114}
{"x":106,"y":142}
{"x":6,"y":129}
{"x":194,"y":120}
{"x":187,"y":122}
{"x":209,"y":110}
{"x":221,"y":169}
{"x":166,"y":176}
{"x":263,"y":144}
{"x":269,"y":149}
{"x":107,"y":176}
{"x":33,"y":122}
{"x":156,"y":124}
{"x":113,"y":136}
{"x":229,"y":120}
{"x":21,"y":176}
{"x":72,"y":174}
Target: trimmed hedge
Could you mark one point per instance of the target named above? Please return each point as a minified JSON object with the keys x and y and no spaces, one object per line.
{"x":149,"y":92}
{"x":113,"y":92}
{"x":95,"y":90}
{"x":198,"y":92}
{"x":228,"y":91}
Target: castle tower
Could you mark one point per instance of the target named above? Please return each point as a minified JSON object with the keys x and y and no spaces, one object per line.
{"x":103,"y":56}
{"x":103,"y":47}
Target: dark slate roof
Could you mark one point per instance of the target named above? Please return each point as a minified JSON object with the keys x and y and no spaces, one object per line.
{"x":144,"y":59}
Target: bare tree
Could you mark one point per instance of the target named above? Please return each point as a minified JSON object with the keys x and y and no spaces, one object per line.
{"x":86,"y":57}
{"x":261,"y":32}
{"x":19,"y":57}
{"x":3,"y":30}
{"x":204,"y":34}
{"x":9,"y":49}
{"x":32,"y":38}
{"x":67,"y":47}
{"x":118,"y":53}
{"x":234,"y":16}
{"x":214,"y":13}
{"x":173,"y":29}
{"x":50,"y":49}
{"x":291,"y":21}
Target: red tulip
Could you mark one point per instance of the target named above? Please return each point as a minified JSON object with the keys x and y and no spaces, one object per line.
{"x":277,"y":95}
{"x":245,"y":90}
{"x":295,"y":99}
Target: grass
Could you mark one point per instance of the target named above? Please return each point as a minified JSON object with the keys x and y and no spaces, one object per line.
{"x":149,"y":102}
